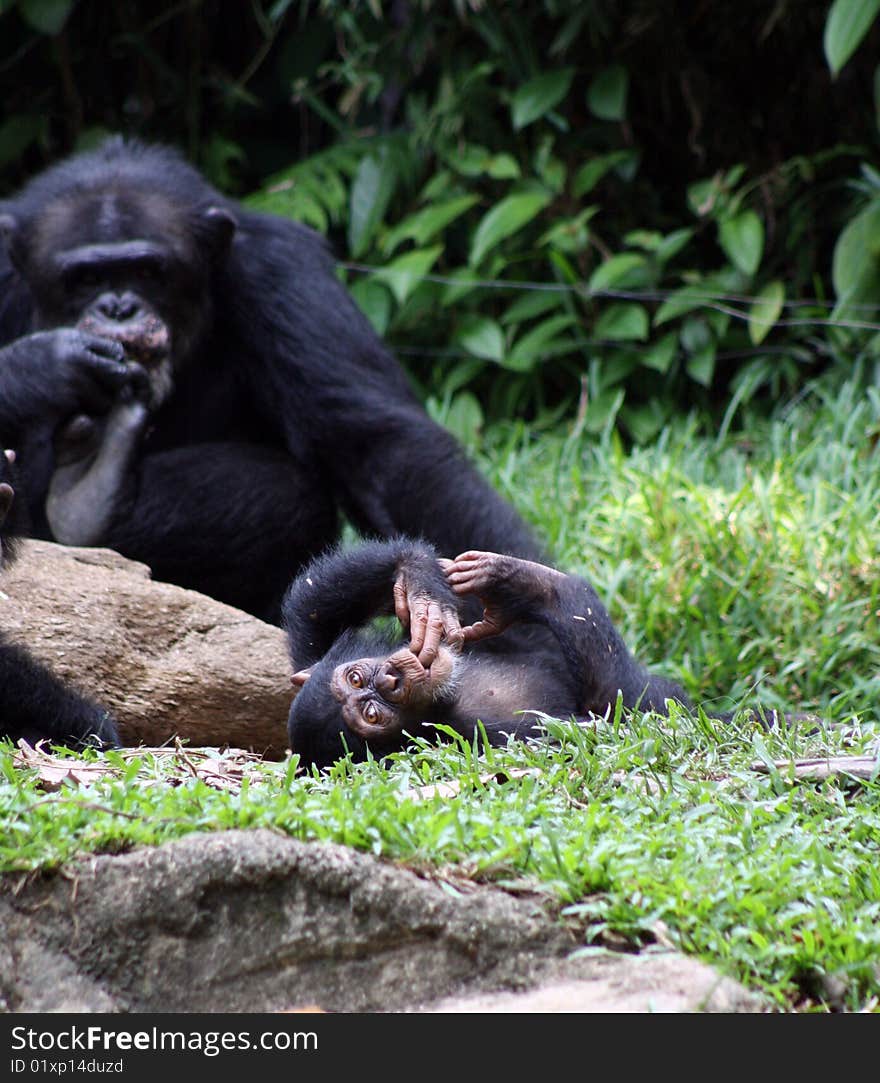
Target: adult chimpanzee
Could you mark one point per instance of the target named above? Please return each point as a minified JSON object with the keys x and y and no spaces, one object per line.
{"x":188,"y":382}
{"x":34,"y":703}
{"x":544,"y":643}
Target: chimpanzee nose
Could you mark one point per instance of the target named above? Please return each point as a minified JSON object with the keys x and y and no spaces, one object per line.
{"x":118,"y":306}
{"x":387,"y":681}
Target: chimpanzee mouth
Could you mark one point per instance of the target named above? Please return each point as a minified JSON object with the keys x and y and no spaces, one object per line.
{"x":146,"y":341}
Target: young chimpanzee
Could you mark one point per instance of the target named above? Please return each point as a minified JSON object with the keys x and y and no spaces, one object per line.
{"x":544,"y":643}
{"x":34,"y":703}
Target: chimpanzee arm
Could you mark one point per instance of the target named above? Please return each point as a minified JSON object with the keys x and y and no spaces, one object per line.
{"x":53,"y":374}
{"x":36,"y":705}
{"x":595,"y":654}
{"x":323,"y":371}
{"x":348,"y":587}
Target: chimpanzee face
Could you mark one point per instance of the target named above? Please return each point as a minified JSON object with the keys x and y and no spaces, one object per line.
{"x":125,"y":264}
{"x":361,"y":695}
{"x":378,"y":696}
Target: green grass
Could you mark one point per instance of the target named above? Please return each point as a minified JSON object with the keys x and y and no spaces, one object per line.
{"x":745,"y":566}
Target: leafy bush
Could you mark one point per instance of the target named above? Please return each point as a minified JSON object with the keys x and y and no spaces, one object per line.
{"x":574,"y":205}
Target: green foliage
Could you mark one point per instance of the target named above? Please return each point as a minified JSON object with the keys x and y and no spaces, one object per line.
{"x":549,"y":208}
{"x":482,"y":263}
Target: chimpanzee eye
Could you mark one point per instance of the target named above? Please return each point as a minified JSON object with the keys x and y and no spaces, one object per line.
{"x":355,"y":679}
{"x":83,"y":278}
{"x":149,"y":272}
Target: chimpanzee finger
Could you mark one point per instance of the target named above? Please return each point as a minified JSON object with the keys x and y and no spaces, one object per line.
{"x":418,"y":622}
{"x":463,"y":579}
{"x":452,"y":631}
{"x":480,"y":629}
{"x":401,"y":602}
{"x":102,"y":347}
{"x":466,"y":573}
{"x":98,"y":372}
{"x":433,"y":631}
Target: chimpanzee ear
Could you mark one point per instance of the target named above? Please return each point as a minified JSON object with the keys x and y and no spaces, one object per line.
{"x":300,"y":677}
{"x":219,"y":226}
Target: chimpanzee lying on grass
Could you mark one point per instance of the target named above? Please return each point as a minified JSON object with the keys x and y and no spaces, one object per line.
{"x":544,"y":643}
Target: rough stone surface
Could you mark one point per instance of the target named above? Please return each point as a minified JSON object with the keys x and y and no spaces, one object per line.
{"x":166,"y":661}
{"x":254,"y":921}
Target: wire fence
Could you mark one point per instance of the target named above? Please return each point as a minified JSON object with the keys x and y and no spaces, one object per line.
{"x":735,"y":305}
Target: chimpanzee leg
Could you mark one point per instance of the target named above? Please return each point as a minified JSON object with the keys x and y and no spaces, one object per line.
{"x":94,"y":467}
{"x":234,"y":521}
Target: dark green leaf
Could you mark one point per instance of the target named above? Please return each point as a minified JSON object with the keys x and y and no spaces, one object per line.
{"x":482,"y":337}
{"x":765,"y":310}
{"x":570,"y":234}
{"x":742,"y":238}
{"x":538,"y":96}
{"x":857,"y":253}
{"x":464,"y":418}
{"x":529,"y":351}
{"x":422,"y":226}
{"x":371,"y":191}
{"x":533,"y":304}
{"x":644,"y":422}
{"x":847,"y":23}
{"x":701,"y":366}
{"x":46,"y":16}
{"x":504,"y":219}
{"x":374,"y":301}
{"x":661,"y":354}
{"x":462,"y":281}
{"x":405,"y":273}
{"x":622,"y":322}
{"x":623,"y":270}
{"x":607,"y":94}
{"x":855,"y":268}
{"x":476,"y":161}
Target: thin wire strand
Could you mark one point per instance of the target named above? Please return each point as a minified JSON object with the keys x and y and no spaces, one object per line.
{"x":719,"y":302}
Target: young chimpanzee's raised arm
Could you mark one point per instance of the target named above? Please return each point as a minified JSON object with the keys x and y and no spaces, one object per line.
{"x":544,"y":643}
{"x":34,"y":703}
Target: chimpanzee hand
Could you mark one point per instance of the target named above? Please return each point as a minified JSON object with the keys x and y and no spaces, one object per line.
{"x":508,"y":588}
{"x":426,"y":606}
{"x":56,"y":374}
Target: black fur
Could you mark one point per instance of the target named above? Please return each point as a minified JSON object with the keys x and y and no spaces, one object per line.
{"x":285,"y":411}
{"x":558,"y":652}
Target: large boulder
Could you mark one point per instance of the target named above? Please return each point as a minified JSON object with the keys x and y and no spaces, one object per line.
{"x":249,"y":921}
{"x":167,"y":662}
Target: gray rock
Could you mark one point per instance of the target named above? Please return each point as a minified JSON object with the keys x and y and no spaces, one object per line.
{"x":251,"y":921}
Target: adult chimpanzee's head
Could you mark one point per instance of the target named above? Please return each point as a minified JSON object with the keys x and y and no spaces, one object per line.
{"x":122,"y":242}
{"x":366,"y":692}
